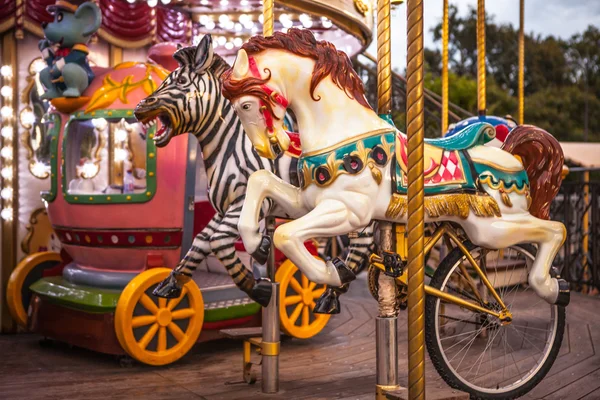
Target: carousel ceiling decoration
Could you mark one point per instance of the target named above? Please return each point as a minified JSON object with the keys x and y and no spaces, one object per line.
{"x":138,"y":23}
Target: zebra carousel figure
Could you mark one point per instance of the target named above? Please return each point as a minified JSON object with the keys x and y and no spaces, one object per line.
{"x":190,"y":101}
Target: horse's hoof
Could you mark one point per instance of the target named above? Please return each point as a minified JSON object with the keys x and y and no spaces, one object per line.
{"x":344,"y":272}
{"x":168,"y":289}
{"x":261,"y":254}
{"x":564,"y":293}
{"x":261,"y":292}
{"x":328,"y":303}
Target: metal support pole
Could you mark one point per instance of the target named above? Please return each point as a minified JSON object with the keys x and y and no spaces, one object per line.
{"x":481,"y":106}
{"x":416,"y":229}
{"x":521,"y":62}
{"x":270,"y":325}
{"x":386,"y":331}
{"x":271,"y":343}
{"x":445,"y":36}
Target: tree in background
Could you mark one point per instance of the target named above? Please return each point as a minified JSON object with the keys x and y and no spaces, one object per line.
{"x":562,"y":77}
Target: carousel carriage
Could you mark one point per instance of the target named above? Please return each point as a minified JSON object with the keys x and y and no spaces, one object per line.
{"x":126,"y":213}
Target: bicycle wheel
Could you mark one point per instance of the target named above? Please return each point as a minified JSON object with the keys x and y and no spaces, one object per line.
{"x":472,"y":351}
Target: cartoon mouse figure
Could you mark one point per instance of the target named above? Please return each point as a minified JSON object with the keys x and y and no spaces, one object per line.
{"x":65,"y":48}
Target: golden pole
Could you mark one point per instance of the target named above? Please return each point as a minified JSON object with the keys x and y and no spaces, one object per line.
{"x":481,"y":106}
{"x":521,"y":62}
{"x":416,"y":232}
{"x":268,"y":17}
{"x":445,"y":35}
{"x":384,"y":60}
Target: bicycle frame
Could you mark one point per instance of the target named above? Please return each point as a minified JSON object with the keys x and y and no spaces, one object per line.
{"x":449,"y":232}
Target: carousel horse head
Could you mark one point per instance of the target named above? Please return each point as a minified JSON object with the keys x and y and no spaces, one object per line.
{"x":271,"y":73}
{"x":180,"y":101}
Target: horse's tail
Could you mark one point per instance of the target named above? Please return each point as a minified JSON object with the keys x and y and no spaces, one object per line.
{"x":543,"y":160}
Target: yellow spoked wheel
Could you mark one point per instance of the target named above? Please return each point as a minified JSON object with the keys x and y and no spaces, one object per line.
{"x":153,"y":330}
{"x":297,"y":301}
{"x":29,"y":270}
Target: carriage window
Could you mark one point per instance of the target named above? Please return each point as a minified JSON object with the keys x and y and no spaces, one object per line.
{"x":108,"y":158}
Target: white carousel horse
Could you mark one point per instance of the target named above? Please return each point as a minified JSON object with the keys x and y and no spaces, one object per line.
{"x":353,"y":164}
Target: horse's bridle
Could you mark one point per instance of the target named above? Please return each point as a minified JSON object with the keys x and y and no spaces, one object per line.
{"x":267,"y":114}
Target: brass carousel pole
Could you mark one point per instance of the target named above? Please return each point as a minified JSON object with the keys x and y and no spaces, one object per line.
{"x":445,"y":35}
{"x":270,"y":320}
{"x":415,"y":134}
{"x":481,"y":106}
{"x":386,"y":324}
{"x":521,"y":62}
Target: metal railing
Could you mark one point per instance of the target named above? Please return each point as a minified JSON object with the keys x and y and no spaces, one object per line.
{"x":578,"y":207}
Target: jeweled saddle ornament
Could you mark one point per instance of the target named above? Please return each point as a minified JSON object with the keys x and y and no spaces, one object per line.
{"x":449,"y":170}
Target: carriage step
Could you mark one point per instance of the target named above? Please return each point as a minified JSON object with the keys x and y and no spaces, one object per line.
{"x":242,"y":333}
{"x":430,"y":394}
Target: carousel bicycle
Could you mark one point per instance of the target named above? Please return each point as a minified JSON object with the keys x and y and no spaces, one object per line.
{"x":353,"y":175}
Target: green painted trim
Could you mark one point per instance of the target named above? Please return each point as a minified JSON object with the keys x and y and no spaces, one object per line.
{"x":387,"y":118}
{"x":86,"y":298}
{"x":54,"y":133}
{"x":151,"y":155}
{"x":477,"y":134}
{"x":227,"y":313}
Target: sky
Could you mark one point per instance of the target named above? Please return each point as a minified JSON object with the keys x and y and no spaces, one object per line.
{"x":547,"y":17}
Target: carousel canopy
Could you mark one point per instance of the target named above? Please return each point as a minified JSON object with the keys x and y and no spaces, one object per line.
{"x":138,"y":23}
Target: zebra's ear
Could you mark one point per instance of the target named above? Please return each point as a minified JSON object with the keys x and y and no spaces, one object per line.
{"x":204,"y":54}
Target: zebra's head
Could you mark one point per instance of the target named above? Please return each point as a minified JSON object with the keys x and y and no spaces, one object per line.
{"x":181,"y":102}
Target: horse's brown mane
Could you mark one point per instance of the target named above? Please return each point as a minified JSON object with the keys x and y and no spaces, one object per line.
{"x":328,"y":62}
{"x":543,"y":160}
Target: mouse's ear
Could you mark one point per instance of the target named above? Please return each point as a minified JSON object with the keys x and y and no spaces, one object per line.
{"x":90,"y":13}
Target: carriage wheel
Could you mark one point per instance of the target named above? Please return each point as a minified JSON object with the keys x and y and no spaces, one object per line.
{"x":153,"y":330}
{"x":297,"y":301}
{"x":29,"y":270}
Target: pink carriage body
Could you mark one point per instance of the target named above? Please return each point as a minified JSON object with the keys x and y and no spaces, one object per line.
{"x":144,"y":221}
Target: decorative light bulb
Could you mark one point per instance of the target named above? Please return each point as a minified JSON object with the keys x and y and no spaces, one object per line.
{"x":224,"y":2}
{"x":89,"y":169}
{"x":27,"y":118}
{"x":230,"y":25}
{"x":121,"y":135}
{"x":6,"y":91}
{"x":99,"y":123}
{"x":39,"y":169}
{"x":237,"y":42}
{"x":131,"y":1}
{"x":6,"y":111}
{"x":223,"y":19}
{"x":222,"y":40}
{"x":210,"y":25}
{"x":152,"y":3}
{"x":6,"y":193}
{"x":6,"y":152}
{"x":6,"y":172}
{"x":6,"y":71}
{"x":204,"y":2}
{"x":244,"y":18}
{"x":327,"y":23}
{"x":229,"y":45}
{"x":204,"y":19}
{"x":243,"y":3}
{"x":261,"y":19}
{"x":121,"y":154}
{"x":7,"y":132}
{"x":165,"y":1}
{"x":238,"y":27}
{"x":7,"y":214}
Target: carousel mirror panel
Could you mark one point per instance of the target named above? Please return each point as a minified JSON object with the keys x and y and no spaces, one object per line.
{"x":108,"y":157}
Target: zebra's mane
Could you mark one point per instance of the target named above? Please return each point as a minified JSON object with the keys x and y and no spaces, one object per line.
{"x":187,"y":56}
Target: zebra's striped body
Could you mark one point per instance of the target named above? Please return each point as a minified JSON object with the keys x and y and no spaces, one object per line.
{"x":190,"y":100}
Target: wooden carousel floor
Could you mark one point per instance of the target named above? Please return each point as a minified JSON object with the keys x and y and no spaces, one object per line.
{"x":339,"y":363}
